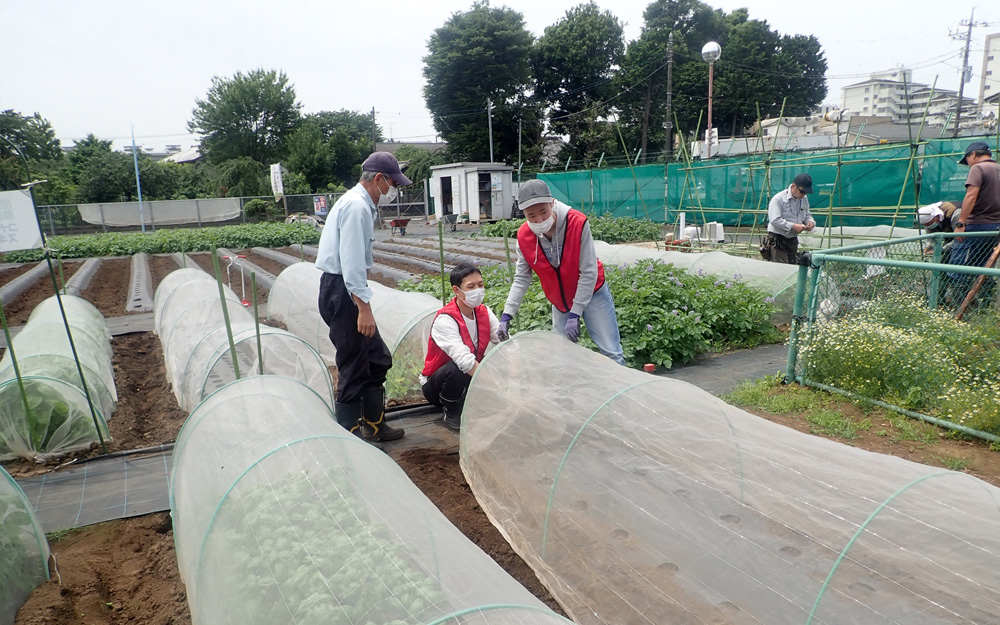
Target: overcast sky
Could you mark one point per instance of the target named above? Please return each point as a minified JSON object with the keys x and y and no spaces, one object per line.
{"x":102,"y":66}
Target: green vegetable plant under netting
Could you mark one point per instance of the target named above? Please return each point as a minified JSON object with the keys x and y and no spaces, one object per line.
{"x":58,"y":418}
{"x":643,"y":499}
{"x":188,"y":317}
{"x":282,"y":516}
{"x":24,"y":552}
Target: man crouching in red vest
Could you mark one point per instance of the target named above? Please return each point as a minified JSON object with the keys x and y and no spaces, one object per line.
{"x":555,"y":244}
{"x":459,"y":336}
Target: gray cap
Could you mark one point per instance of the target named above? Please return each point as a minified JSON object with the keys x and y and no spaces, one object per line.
{"x":533,"y":192}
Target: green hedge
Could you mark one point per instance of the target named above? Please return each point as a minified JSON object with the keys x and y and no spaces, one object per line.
{"x":604,"y":228}
{"x":172,"y":240}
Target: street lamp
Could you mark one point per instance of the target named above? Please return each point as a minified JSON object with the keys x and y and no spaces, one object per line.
{"x":711,"y":53}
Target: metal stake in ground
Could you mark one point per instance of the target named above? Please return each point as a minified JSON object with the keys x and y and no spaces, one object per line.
{"x":225,"y":312}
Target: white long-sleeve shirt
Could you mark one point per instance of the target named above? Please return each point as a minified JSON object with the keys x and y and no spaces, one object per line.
{"x":553,"y":252}
{"x":785,"y":211}
{"x":445,"y":332}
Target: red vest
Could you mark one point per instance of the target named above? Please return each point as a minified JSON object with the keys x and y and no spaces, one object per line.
{"x":437,"y":357}
{"x":559,"y":284}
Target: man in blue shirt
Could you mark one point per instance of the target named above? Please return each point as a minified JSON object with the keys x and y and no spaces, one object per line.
{"x":345,"y":255}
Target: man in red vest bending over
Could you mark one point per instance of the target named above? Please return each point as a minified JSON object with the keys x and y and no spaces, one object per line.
{"x":555,"y":244}
{"x":460,"y":334}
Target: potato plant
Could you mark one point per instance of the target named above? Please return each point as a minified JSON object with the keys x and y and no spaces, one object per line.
{"x":303,"y":551}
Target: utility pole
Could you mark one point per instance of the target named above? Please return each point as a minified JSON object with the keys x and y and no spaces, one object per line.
{"x":519,"y":151}
{"x":489,"y":118}
{"x":668,"y":145}
{"x":966,"y":69}
{"x":374,"y":143}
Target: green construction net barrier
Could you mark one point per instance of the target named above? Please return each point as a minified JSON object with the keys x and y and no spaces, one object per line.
{"x":853,"y":186}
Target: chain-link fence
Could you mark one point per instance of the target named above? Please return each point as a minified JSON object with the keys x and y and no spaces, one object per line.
{"x":910,"y":324}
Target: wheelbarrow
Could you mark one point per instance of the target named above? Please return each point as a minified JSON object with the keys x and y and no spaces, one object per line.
{"x":398,"y":223}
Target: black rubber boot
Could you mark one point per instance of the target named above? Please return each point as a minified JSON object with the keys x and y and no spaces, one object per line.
{"x":452,"y":412}
{"x":373,"y":425}
{"x":348,"y":415}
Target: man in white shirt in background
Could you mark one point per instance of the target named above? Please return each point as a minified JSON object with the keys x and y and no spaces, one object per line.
{"x":788,"y":215}
{"x":460,"y":334}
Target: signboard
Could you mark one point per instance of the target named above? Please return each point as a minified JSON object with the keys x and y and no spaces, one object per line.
{"x":319,"y":205}
{"x":18,"y":225}
{"x":276,"y":186}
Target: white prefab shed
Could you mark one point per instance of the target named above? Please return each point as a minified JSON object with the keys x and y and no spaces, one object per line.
{"x":483,"y":191}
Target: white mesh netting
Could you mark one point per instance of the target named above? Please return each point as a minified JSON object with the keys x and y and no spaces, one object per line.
{"x":281,"y":516}
{"x":640,"y":499}
{"x":841,"y":236}
{"x":198,"y":357}
{"x":777,"y":280}
{"x":403,"y":320}
{"x":24,"y":552}
{"x":58,"y":417}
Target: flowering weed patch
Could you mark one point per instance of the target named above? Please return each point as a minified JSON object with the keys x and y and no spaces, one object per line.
{"x":665,"y":315}
{"x":896,"y":350}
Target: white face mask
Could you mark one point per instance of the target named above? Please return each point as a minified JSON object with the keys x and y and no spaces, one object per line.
{"x":474,"y":297}
{"x":542,"y":227}
{"x":389,"y":197}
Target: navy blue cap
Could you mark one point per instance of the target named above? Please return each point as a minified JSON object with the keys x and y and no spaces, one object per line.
{"x":386,"y":163}
{"x":975,"y":146}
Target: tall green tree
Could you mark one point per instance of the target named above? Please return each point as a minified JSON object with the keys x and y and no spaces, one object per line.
{"x":573,"y":64}
{"x":36,"y":140}
{"x":479,"y":55}
{"x":110,"y":177}
{"x":419,"y":161}
{"x":249,"y":115}
{"x":328,"y":146}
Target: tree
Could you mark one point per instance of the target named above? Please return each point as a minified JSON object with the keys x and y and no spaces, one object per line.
{"x":329,"y":144}
{"x":249,"y":115}
{"x":84,"y":150}
{"x":418,"y":161}
{"x":758,"y":66}
{"x":243,"y":177}
{"x":36,"y":140}
{"x":573,"y":65}
{"x":482,"y":54}
{"x":110,"y":177}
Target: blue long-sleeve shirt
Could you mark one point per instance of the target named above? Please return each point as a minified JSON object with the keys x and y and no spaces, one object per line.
{"x":345,"y":247}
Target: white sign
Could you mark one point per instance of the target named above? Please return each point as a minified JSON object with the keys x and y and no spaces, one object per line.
{"x":276,"y":186}
{"x":18,"y":225}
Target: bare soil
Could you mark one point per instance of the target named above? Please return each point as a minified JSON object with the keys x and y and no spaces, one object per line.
{"x":273,"y":267}
{"x":159,"y":267}
{"x":20,"y":309}
{"x":113,"y":573}
{"x":108,"y":289}
{"x":9,"y":275}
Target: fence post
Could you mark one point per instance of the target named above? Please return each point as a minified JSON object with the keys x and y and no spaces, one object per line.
{"x":197,"y":211}
{"x":152,"y":219}
{"x":793,"y":337}
{"x":104,"y":227}
{"x":935,"y":282}
{"x":52,"y":223}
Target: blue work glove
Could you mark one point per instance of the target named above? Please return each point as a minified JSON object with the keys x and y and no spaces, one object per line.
{"x":502,"y":332}
{"x":572,"y":331}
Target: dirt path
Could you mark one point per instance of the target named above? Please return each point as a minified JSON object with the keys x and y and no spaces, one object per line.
{"x":108,"y":289}
{"x":205,"y":262}
{"x":20,"y":309}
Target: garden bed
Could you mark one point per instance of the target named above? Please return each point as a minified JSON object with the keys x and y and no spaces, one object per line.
{"x":20,"y":309}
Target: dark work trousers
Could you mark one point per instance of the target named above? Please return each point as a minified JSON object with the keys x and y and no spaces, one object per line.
{"x":784,"y":249}
{"x":362,"y":362}
{"x":446,"y":387}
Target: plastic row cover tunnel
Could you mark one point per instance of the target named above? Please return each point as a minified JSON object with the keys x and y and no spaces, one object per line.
{"x":188,"y":317}
{"x":777,"y":280}
{"x":281,"y":516}
{"x":404,"y":321}
{"x":840,"y":236}
{"x":24,"y":552}
{"x":58,"y":419}
{"x":640,"y":499}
